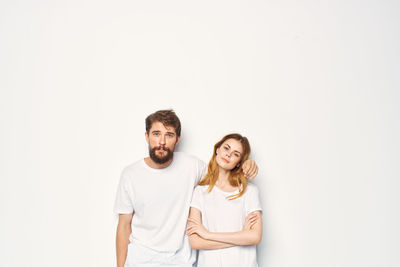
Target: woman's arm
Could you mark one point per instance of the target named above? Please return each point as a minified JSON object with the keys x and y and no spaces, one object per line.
{"x":249,"y":235}
{"x":250,"y":169}
{"x":197,"y":242}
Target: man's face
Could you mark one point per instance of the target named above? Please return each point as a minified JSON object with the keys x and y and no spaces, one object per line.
{"x":162,"y":140}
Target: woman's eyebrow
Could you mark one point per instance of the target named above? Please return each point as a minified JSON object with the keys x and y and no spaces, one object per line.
{"x":233,"y":150}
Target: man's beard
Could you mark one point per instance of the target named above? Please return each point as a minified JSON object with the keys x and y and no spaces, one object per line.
{"x":160,"y":160}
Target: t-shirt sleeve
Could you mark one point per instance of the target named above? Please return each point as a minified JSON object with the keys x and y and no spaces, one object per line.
{"x":197,"y":199}
{"x":201,"y":170}
{"x":252,"y":199}
{"x":123,"y":201}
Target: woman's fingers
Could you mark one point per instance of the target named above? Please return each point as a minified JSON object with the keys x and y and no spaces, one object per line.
{"x":246,"y":167}
{"x":194,"y":226}
{"x":190,"y":230}
{"x":251,"y":219}
{"x":253,"y":172}
{"x":250,"y":169}
{"x":251,"y":216}
{"x":193,"y":221}
{"x":248,"y":217}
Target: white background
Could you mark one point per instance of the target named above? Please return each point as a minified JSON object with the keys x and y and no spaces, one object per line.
{"x":314,"y":85}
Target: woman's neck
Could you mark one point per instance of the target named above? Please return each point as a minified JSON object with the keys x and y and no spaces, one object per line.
{"x":223,"y":177}
{"x":223,"y":181}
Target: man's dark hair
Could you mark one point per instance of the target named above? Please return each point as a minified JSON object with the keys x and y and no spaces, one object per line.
{"x":166,"y":117}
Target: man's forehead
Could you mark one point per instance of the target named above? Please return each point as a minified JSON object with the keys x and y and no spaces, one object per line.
{"x":159,"y":126}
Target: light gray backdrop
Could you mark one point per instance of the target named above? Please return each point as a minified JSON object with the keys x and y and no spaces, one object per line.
{"x":313,"y":84}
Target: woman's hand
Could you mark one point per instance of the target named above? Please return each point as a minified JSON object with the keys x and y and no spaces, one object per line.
{"x":249,"y":235}
{"x":250,"y":169}
{"x":251,"y":219}
{"x":196,"y":227}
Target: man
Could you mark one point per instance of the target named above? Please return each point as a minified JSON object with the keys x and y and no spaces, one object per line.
{"x":154,"y":196}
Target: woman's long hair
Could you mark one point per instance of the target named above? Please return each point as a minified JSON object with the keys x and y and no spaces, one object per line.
{"x":236,"y":177}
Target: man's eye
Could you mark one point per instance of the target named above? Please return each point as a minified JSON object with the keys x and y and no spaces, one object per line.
{"x":156,"y":134}
{"x":171,"y":135}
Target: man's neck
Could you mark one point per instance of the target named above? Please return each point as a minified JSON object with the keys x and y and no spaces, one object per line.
{"x":155,"y":165}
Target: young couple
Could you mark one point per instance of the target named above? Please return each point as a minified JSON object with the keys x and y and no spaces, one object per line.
{"x":156,"y":194}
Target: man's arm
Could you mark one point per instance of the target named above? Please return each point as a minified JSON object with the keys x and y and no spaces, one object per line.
{"x":197,"y":242}
{"x":247,"y":236}
{"x":124,"y":230}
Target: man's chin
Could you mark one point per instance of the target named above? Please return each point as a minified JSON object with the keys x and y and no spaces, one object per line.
{"x":162,"y":154}
{"x":161,"y":160}
{"x":165,"y":156}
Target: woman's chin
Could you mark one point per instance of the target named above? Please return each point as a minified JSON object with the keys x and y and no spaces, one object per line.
{"x":225,"y":168}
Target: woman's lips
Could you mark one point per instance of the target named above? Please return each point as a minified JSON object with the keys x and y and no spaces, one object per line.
{"x":227,"y":161}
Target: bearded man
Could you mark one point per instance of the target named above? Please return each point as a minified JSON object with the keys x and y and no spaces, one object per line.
{"x":153,"y":199}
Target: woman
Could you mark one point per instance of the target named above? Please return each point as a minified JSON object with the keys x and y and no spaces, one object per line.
{"x":225,"y":216}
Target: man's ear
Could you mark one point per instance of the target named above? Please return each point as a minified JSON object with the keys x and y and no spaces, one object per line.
{"x":177,"y":140}
{"x":147,"y":137}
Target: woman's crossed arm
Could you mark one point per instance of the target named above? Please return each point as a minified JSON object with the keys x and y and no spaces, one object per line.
{"x":201,"y":238}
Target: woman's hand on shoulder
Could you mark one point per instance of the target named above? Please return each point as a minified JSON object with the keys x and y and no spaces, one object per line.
{"x":250,"y":169}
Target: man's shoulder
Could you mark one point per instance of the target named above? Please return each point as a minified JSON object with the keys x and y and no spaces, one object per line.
{"x":182,"y":156}
{"x":133,"y":167}
{"x":251,"y":189}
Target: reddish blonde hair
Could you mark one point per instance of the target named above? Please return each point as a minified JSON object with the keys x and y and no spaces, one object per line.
{"x":236,"y":177}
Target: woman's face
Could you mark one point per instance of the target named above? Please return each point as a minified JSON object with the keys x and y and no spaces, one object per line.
{"x":229,"y":154}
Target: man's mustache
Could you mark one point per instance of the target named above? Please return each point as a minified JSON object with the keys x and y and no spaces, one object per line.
{"x":161,"y":147}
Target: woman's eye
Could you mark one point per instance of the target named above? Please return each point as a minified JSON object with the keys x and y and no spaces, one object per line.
{"x":226,"y":148}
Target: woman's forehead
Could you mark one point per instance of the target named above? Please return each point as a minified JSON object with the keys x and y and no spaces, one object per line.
{"x":233,"y":144}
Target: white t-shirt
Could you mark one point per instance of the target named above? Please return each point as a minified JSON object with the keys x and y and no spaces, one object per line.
{"x":222,"y":215}
{"x":160,"y":200}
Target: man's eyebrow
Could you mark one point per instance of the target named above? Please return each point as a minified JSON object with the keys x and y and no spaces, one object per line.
{"x":155,"y":131}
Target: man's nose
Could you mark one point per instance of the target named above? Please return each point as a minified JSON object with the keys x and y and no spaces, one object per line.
{"x":162,"y":140}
